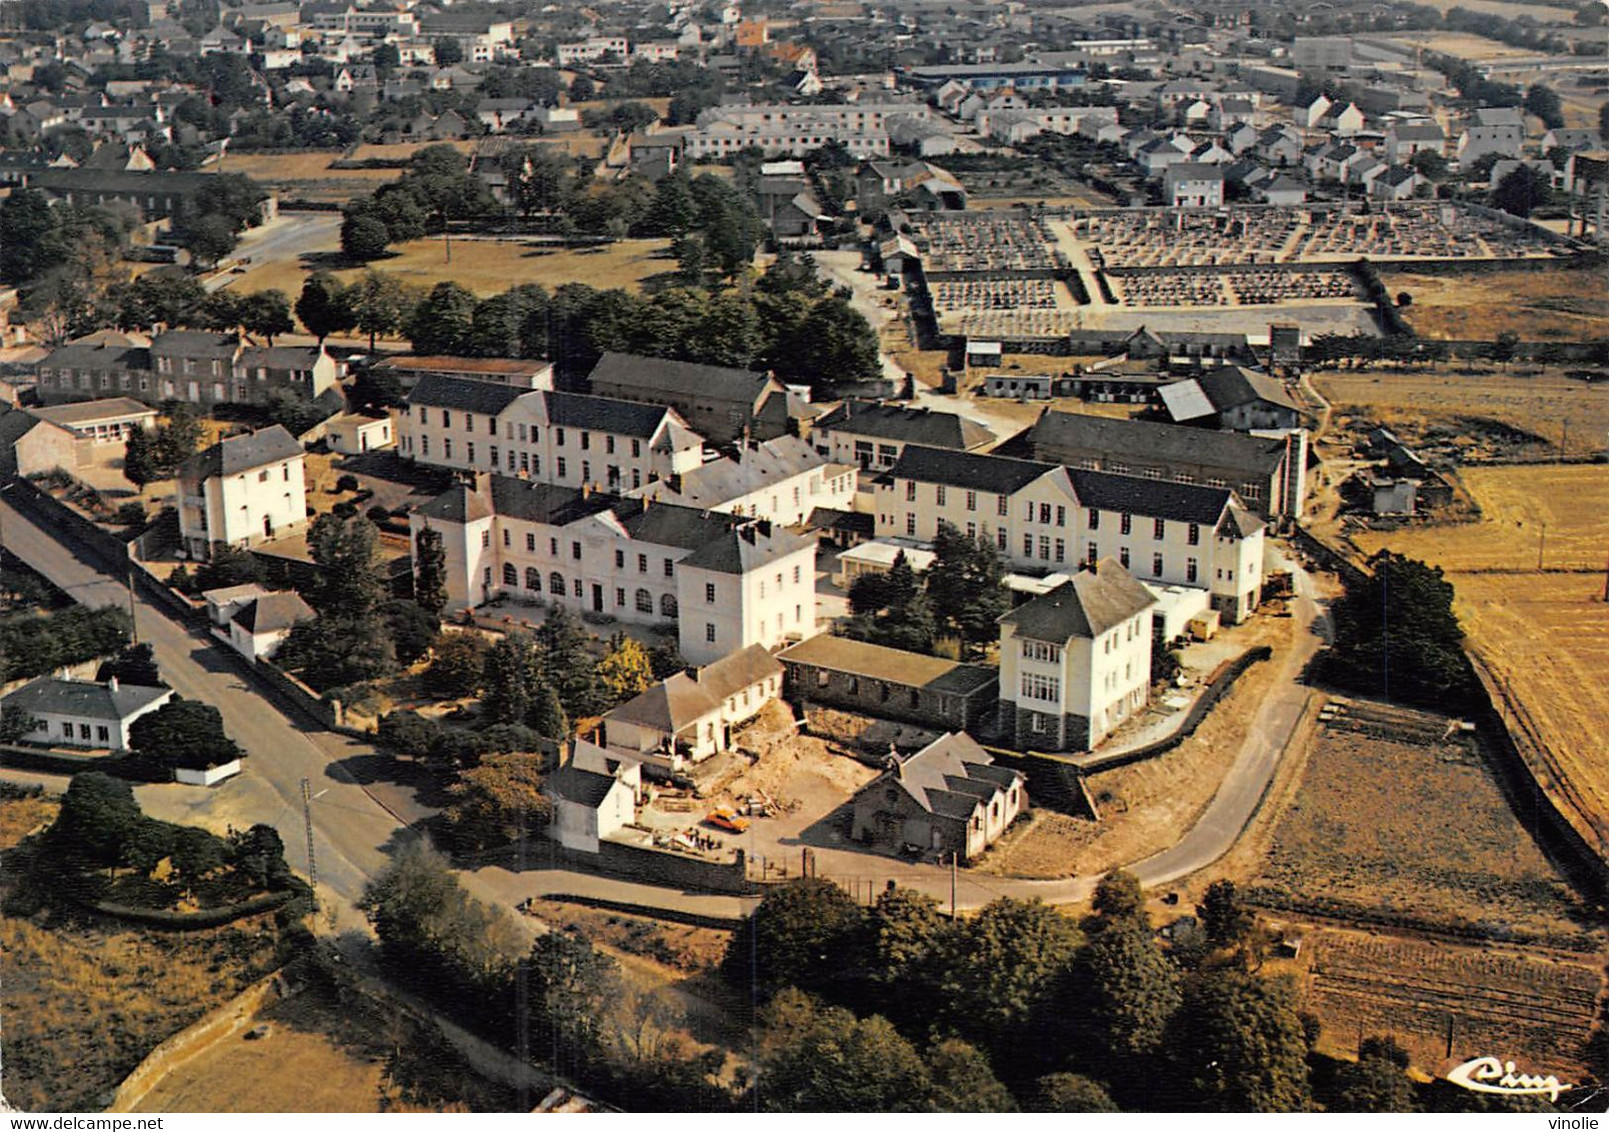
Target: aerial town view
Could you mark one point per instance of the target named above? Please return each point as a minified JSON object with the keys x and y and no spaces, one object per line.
{"x":762,"y":556}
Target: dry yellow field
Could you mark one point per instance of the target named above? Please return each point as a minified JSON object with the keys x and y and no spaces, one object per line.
{"x":1462,"y":45}
{"x":1568,"y":304}
{"x":1543,"y":636}
{"x":1549,"y":405}
{"x":487,"y":266}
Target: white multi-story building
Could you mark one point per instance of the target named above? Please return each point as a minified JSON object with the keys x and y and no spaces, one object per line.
{"x":567,"y":439}
{"x":242,"y":491}
{"x":782,"y":480}
{"x":1076,"y":662}
{"x":726,"y":582}
{"x":591,"y":50}
{"x":1049,"y":518}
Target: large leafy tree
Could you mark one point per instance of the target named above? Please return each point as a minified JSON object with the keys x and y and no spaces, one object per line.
{"x":1122,"y":993}
{"x":323,"y":306}
{"x":1000,"y":966}
{"x":1237,"y":1044}
{"x":443,"y":320}
{"x":824,"y":1059}
{"x":625,"y":670}
{"x":348,"y":550}
{"x":498,"y":801}
{"x":430,"y":571}
{"x":511,"y":678}
{"x":182,"y":734}
{"x":963,"y":1080}
{"x":567,"y":663}
{"x":1376,"y":1082}
{"x":1070,"y":1092}
{"x":1396,"y":633}
{"x":571,"y":987}
{"x":379,"y":303}
{"x":967,"y":585}
{"x":807,"y":933}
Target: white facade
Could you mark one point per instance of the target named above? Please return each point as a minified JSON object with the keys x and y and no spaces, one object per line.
{"x":219,"y":504}
{"x":351,"y":434}
{"x":81,"y":713}
{"x":772,"y":604}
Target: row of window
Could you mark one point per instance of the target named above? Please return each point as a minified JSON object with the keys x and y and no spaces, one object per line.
{"x":529,"y":434}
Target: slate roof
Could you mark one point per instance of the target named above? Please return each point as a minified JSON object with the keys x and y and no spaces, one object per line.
{"x":912,"y":426}
{"x":745,"y":549}
{"x":1067,"y":436}
{"x":193,"y":343}
{"x":465,"y":393}
{"x":610,"y":414}
{"x":235,"y":454}
{"x":753,"y":467}
{"x":651,"y":375}
{"x":584,"y":787}
{"x":92,"y":412}
{"x":950,"y":777}
{"x":997,"y":474}
{"x":50,"y":695}
{"x":673,"y":704}
{"x":877,"y":662}
{"x":1086,"y":605}
{"x":273,"y":612}
{"x":1159,"y":499}
{"x":97,"y":356}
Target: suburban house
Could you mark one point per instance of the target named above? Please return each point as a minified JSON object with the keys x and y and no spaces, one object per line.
{"x":84,"y":713}
{"x":720,"y":403}
{"x":1404,"y":139}
{"x":593,"y":795}
{"x":1266,"y":472}
{"x":726,"y":582}
{"x":1076,"y":662}
{"x":242,"y":491}
{"x":1193,"y":184}
{"x":872,"y":434}
{"x":1491,"y":129}
{"x":948,"y":800}
{"x":568,"y":439}
{"x":857,"y":676}
{"x":260,"y":625}
{"x":689,"y":717}
{"x":1231,"y":397}
{"x":352,"y":434}
{"x":783,"y":480}
{"x":1048,"y":518}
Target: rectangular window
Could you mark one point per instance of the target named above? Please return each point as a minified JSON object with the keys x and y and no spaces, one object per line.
{"x":447,"y":448}
{"x":1123,"y":557}
{"x":1044,"y":547}
{"x":1190,"y":569}
{"x":609,"y":445}
{"x":1061,"y":550}
{"x":709,"y":592}
{"x":1158,"y":529}
{"x":1061,"y":515}
{"x":1037,"y":686}
{"x":470,"y":447}
{"x":1027,"y":546}
{"x":558,"y":437}
{"x":972,"y":530}
{"x":972,"y":501}
{"x":910,"y":491}
{"x":1126,"y":525}
{"x":1094,"y":519}
{"x":505,"y":536}
{"x":709,"y":633}
{"x":938,"y":495}
{"x":910,"y":524}
{"x":642,"y":564}
{"x":1042,"y":651}
{"x":620,"y":560}
{"x":446,"y":419}
{"x":620,"y":596}
{"x":586,"y":440}
{"x":560,"y":469}
{"x":1156,"y":565}
{"x":575,"y":551}
{"x":530,"y":542}
{"x":670,"y":568}
{"x":1000,"y":505}
{"x":1194,"y":536}
{"x":553,"y":547}
{"x":485,"y":539}
{"x":1000,"y":540}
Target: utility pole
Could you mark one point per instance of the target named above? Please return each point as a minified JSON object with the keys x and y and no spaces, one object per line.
{"x":1541,"y":545}
{"x":133,"y":620}
{"x":307,"y":822}
{"x":952,"y":884}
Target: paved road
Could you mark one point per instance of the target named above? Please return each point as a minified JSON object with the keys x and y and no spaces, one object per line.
{"x":288,"y":237}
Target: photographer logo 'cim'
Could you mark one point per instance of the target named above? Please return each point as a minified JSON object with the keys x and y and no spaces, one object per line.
{"x":1492,"y":1075}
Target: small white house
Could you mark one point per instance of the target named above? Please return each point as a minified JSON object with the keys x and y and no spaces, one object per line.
{"x":260,"y":626}
{"x":593,"y":795}
{"x":84,"y":713}
{"x":352,"y":433}
{"x":224,"y":603}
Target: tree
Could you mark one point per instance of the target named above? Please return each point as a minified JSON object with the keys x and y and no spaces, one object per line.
{"x":338,"y":650}
{"x":569,"y":980}
{"x":824,"y":1059}
{"x":998,"y":968}
{"x":266,"y":314}
{"x":547,"y":717}
{"x":457,"y":666}
{"x":842,"y":347}
{"x":1396,"y":634}
{"x":258,"y":855}
{"x":229,"y":566}
{"x":323,"y":306}
{"x":1429,"y":163}
{"x":1070,"y":1092}
{"x":498,"y":801}
{"x":1223,"y":917}
{"x":210,"y":238}
{"x":1521,"y":191}
{"x":448,"y":52}
{"x":967,"y":583}
{"x":1123,"y":991}
{"x":178,"y":438}
{"x":412,"y":630}
{"x":430,"y":571}
{"x":16,"y":724}
{"x":1238,"y":1045}
{"x":182,"y":735}
{"x":804,"y":933}
{"x":25,"y":219}
{"x":379,"y":304}
{"x":906,"y":932}
{"x":567,"y":664}
{"x":134,"y":665}
{"x":98,"y":815}
{"x":583,"y":89}
{"x":407,"y":733}
{"x":512,"y":676}
{"x":1119,"y":899}
{"x":1543,"y":101}
{"x":442,"y":321}
{"x":350,"y":583}
{"x":673,"y":209}
{"x":139,"y":458}
{"x":1503,"y":347}
{"x":963,"y":1080}
{"x":364,"y":237}
{"x":625,"y":671}
{"x":1376,"y":1082}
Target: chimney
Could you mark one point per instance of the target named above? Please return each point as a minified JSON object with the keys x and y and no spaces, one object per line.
{"x":586,"y":491}
{"x":111,"y":684}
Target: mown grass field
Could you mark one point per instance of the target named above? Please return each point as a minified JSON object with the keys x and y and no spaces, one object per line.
{"x":488,"y":266}
{"x":1567,"y":304}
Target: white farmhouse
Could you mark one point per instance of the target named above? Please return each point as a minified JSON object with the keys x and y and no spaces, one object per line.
{"x":593,"y":796}
{"x":260,"y":625}
{"x":242,"y":491}
{"x":1076,"y":662}
{"x":84,"y":713}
